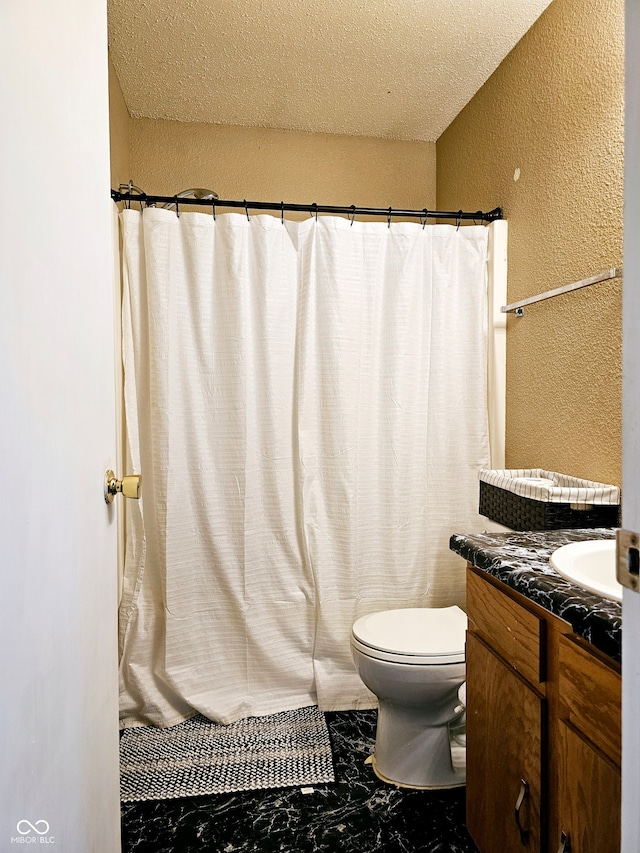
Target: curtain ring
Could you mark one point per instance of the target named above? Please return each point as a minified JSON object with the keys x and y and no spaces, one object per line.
{"x":282,"y":212}
{"x":353,"y":214}
{"x":426,"y":216}
{"x":314,"y":209}
{"x":459,"y":220}
{"x":177,"y":209}
{"x":389,"y":218}
{"x":213,"y":207}
{"x":246,"y":209}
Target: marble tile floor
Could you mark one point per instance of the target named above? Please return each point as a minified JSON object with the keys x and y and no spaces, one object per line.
{"x":356,"y":814}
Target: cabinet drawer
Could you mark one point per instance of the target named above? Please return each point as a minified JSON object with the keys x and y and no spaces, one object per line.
{"x":591,"y":696}
{"x":514,"y":632}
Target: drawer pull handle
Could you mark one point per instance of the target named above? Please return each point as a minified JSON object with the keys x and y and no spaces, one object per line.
{"x":565,"y":844}
{"x":522,"y":796}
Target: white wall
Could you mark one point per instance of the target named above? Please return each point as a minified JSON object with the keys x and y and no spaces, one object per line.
{"x":58,"y":653}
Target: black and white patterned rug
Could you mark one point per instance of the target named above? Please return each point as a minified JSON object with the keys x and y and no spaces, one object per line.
{"x":200,"y":757}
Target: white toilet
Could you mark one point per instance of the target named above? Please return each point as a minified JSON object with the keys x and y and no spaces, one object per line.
{"x":413,"y":660}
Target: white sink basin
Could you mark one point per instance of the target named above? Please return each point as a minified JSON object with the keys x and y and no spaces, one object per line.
{"x":590,"y":565}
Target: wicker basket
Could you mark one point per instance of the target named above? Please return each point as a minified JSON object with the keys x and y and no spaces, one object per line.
{"x":519,"y":513}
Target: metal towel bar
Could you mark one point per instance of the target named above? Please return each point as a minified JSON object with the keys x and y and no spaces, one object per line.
{"x":517,"y":308}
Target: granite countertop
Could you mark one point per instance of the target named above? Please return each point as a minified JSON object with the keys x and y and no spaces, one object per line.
{"x":521,"y":561}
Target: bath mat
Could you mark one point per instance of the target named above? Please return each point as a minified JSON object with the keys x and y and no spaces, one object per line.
{"x":200,"y":757}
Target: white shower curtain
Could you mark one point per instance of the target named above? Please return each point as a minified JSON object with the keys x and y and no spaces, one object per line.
{"x":306,"y":403}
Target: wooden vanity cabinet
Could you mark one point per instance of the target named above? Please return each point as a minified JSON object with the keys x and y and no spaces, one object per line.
{"x":588,"y":796}
{"x":589,"y":742}
{"x":543,"y":729}
{"x":504,"y":724}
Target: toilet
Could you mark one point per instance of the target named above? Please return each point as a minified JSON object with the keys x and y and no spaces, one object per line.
{"x":413,"y":661}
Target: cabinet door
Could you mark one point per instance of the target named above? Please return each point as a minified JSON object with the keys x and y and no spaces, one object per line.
{"x":504,"y":746}
{"x":588,"y":796}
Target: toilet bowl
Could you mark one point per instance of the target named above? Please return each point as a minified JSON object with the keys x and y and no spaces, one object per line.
{"x":413,"y":660}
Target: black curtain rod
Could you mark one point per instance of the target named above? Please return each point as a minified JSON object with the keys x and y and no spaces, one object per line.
{"x":458,"y":215}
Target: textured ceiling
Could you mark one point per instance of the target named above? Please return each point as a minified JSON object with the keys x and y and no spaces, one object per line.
{"x":400,"y":69}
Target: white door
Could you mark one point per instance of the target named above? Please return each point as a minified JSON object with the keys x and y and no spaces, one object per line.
{"x":631,"y":432}
{"x":58,"y":579}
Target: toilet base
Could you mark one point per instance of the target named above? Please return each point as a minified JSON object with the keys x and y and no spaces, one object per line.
{"x":372,"y":761}
{"x":413,"y":753}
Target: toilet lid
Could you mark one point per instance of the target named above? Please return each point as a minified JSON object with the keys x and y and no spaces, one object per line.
{"x":413,"y":635}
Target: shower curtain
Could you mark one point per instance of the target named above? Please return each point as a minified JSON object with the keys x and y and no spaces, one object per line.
{"x":306,"y":402}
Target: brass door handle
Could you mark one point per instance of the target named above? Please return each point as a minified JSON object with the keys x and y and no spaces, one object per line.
{"x":130,"y":486}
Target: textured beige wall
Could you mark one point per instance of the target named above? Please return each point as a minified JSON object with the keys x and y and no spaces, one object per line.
{"x":272,"y":165}
{"x":118,"y":131}
{"x":554,"y":111}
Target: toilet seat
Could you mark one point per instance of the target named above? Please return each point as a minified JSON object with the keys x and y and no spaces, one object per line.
{"x":420,"y":635}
